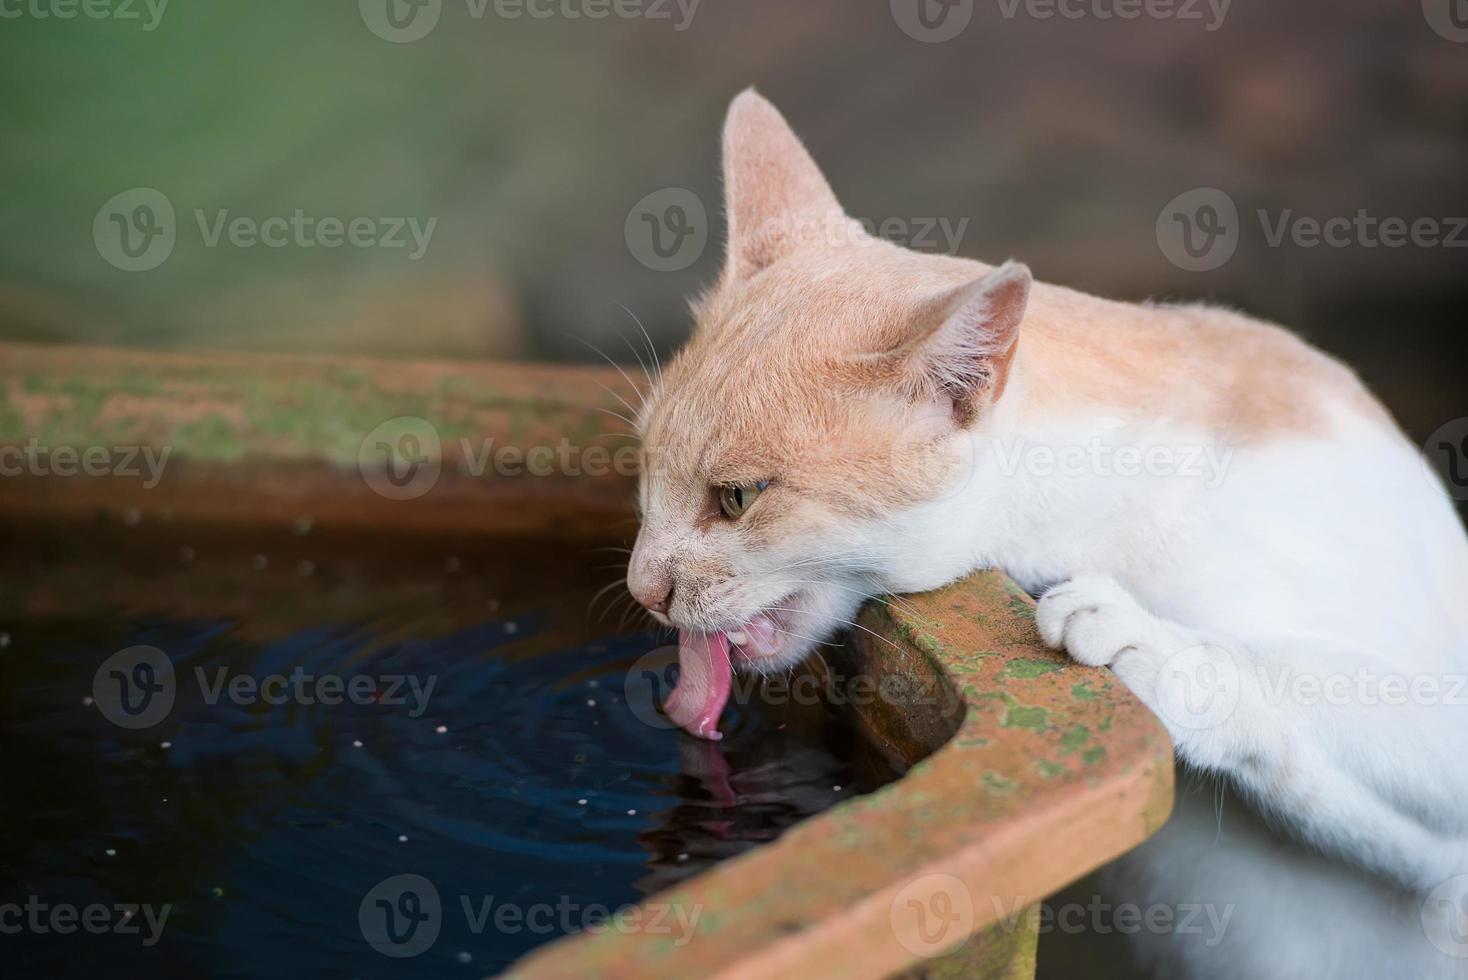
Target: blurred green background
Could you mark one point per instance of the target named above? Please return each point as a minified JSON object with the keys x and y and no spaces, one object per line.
{"x":528,"y":141}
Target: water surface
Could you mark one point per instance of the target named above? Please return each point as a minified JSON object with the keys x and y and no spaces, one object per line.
{"x":422,"y":747}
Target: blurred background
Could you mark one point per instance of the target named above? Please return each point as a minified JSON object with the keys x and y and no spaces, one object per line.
{"x":470,"y":178}
{"x":519,"y":179}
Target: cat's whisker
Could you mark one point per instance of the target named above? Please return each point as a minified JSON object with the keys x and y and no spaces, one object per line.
{"x":641,"y":395}
{"x":651,"y":347}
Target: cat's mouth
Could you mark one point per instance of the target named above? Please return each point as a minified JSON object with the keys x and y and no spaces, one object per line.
{"x":706,"y":665}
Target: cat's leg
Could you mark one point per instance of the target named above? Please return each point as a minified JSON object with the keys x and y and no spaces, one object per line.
{"x":1324,"y":769}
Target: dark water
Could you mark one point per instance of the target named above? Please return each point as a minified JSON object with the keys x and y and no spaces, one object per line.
{"x":487,"y":741}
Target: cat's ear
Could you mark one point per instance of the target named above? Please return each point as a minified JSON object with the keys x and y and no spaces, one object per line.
{"x":773,"y":191}
{"x":965,"y":340}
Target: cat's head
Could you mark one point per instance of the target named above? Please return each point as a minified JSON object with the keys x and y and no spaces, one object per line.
{"x":795,"y":447}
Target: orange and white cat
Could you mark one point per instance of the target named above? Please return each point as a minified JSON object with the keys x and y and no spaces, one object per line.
{"x":1205,"y":504}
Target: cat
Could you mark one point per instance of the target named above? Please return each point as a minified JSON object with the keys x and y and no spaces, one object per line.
{"x":851,"y":418}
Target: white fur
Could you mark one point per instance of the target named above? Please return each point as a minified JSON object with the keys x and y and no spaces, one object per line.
{"x":1309,"y":558}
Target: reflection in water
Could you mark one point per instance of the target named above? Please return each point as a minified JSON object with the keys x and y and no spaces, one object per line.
{"x":301,"y":763}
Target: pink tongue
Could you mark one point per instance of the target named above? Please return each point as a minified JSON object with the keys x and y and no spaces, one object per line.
{"x":703,"y":683}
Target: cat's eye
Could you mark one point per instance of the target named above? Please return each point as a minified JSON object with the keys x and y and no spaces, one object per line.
{"x":734,"y":500}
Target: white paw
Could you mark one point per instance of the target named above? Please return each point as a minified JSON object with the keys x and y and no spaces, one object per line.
{"x":1093,"y":619}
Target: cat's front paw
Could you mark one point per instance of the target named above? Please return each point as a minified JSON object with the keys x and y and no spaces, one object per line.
{"x":1093,"y":619}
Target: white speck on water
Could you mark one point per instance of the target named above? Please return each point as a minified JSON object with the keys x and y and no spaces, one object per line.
{"x":165,"y":745}
{"x":591,"y":702}
{"x":132,"y":517}
{"x":582,"y":802}
{"x":512,"y":628}
{"x":836,"y":788}
{"x":631,"y":813}
{"x":87,"y":701}
{"x":111,"y":852}
{"x":259,"y":563}
{"x":356,"y":743}
{"x":683,"y":857}
{"x":442,"y":729}
{"x":464,"y":957}
{"x":4,"y":640}
{"x":186,"y":554}
{"x":402,"y":838}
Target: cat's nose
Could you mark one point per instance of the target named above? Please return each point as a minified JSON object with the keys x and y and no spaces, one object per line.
{"x":658,"y":605}
{"x":654,"y":592}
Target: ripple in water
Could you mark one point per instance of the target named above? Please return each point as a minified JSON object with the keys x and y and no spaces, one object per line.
{"x":498,"y":760}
